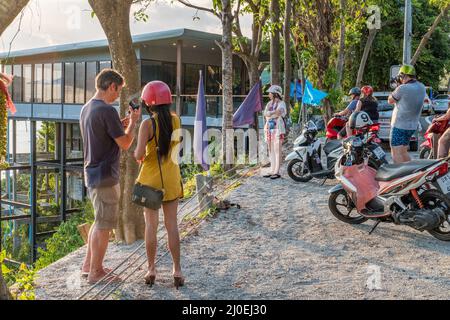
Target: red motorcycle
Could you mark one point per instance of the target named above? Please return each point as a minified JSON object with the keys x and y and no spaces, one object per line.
{"x":434,"y":131}
{"x":337,"y":123}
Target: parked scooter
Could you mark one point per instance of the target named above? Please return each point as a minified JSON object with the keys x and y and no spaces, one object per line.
{"x":305,"y":162}
{"x":415,"y":194}
{"x":434,"y":131}
{"x":334,"y":125}
{"x":337,"y":123}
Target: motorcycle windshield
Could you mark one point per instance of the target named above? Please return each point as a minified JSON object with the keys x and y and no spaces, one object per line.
{"x":362,"y":177}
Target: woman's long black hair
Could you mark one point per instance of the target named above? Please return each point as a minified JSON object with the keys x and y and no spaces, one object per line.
{"x":164,"y":116}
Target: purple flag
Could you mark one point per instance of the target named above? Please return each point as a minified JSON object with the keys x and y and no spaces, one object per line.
{"x":200,"y":140}
{"x":252,"y":103}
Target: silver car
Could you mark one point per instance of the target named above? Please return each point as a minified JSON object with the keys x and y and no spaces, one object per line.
{"x":441,"y":103}
{"x":385,"y":111}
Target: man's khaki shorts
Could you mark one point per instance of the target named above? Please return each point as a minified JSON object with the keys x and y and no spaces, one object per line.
{"x":105,"y":201}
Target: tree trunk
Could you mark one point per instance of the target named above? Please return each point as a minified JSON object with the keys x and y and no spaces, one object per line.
{"x":287,"y":54}
{"x":362,"y":65}
{"x":323,"y":62}
{"x":427,"y":35}
{"x":115,"y":21}
{"x":4,"y":292}
{"x":275,"y":74}
{"x":341,"y":54}
{"x":8,"y":12}
{"x":9,"y":9}
{"x":227,"y":83}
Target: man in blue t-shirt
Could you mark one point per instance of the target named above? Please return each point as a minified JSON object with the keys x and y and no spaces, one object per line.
{"x":103,"y":136}
{"x":355,"y":93}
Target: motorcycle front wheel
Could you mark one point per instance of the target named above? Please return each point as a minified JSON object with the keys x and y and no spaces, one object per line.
{"x":436,"y":199}
{"x":342,"y":207}
{"x":299,"y":171}
{"x":425,"y":153}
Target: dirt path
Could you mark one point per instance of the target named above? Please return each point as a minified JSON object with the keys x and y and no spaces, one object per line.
{"x":282,"y":244}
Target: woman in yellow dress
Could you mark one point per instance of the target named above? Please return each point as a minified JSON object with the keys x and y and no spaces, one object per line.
{"x":157,"y":98}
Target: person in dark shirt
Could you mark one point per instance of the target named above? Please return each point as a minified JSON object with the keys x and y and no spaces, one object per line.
{"x":369,"y":104}
{"x":103,"y":136}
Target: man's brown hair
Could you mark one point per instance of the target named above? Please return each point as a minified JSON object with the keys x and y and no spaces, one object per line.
{"x":107,"y":77}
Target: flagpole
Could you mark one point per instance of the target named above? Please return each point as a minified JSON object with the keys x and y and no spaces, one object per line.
{"x":208,"y":173}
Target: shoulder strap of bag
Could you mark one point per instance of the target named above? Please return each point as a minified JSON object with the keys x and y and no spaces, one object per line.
{"x":157,"y":151}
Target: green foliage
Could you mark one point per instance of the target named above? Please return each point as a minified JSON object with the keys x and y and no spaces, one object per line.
{"x":295,"y":113}
{"x":67,"y":238}
{"x":22,"y":277}
{"x":388,"y":45}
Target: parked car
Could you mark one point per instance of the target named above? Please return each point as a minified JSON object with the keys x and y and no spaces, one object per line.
{"x":441,"y":103}
{"x":385,"y":111}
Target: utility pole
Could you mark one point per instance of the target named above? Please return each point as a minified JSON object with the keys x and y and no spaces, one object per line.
{"x":407,"y":34}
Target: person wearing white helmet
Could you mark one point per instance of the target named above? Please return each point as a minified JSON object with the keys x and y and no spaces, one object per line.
{"x":275,"y":129}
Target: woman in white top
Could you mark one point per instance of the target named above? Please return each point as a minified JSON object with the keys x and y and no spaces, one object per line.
{"x":275,"y":129}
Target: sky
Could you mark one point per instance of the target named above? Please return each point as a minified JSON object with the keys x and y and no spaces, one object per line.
{"x":52,"y":22}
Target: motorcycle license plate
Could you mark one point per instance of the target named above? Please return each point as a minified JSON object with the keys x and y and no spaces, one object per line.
{"x":379,"y":153}
{"x":444,"y":183}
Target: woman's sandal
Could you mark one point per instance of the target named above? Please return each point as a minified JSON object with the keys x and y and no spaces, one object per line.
{"x":275,"y":176}
{"x":267,"y":175}
{"x":150,"y":279}
{"x":178,"y":282}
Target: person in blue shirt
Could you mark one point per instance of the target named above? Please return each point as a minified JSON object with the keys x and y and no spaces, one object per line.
{"x":355,"y":93}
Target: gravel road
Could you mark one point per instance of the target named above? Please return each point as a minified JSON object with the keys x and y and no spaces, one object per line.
{"x":282,"y":244}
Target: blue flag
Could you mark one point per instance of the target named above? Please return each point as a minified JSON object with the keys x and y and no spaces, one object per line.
{"x":245,"y":114}
{"x":313,"y":96}
{"x":298,"y":90}
{"x":200,"y":139}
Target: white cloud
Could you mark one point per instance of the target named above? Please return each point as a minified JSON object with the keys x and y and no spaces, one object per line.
{"x":50,"y":22}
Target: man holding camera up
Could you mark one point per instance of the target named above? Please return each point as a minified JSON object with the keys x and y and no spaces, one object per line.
{"x":103,"y":136}
{"x":408,"y":99}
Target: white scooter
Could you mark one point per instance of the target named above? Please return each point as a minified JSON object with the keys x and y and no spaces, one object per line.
{"x":305,"y":162}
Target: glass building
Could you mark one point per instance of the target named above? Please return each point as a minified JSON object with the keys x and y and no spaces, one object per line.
{"x":44,"y":183}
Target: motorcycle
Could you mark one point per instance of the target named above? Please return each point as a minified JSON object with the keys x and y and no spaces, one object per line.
{"x":415,"y":194}
{"x":305,"y":162}
{"x":434,"y":131}
{"x":334,"y":125}
{"x":337,"y":123}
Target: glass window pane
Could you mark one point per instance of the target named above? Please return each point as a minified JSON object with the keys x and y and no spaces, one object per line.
{"x":151,"y":70}
{"x":91,"y":72}
{"x":80,"y":80}
{"x":38,"y":83}
{"x":47,"y":83}
{"x":169,"y":75}
{"x":191,"y":77}
{"x":213,"y":79}
{"x":17,"y":83}
{"x":237,"y":81}
{"x":74,"y":144}
{"x":27,"y":83}
{"x":69,"y":85}
{"x":8,"y":69}
{"x":57,"y":82}
{"x":45,"y":140}
{"x":105,"y":65}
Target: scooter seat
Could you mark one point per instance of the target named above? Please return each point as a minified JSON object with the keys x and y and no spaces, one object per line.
{"x":388,"y":172}
{"x":332,"y":145}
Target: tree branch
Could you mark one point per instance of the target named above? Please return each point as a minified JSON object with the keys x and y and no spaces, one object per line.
{"x":187,"y":4}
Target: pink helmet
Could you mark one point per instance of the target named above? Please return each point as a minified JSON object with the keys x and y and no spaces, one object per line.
{"x":156,"y":93}
{"x":367,"y":90}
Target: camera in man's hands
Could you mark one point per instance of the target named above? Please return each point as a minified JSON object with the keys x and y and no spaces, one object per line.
{"x":134,"y":104}
{"x":395,"y":81}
